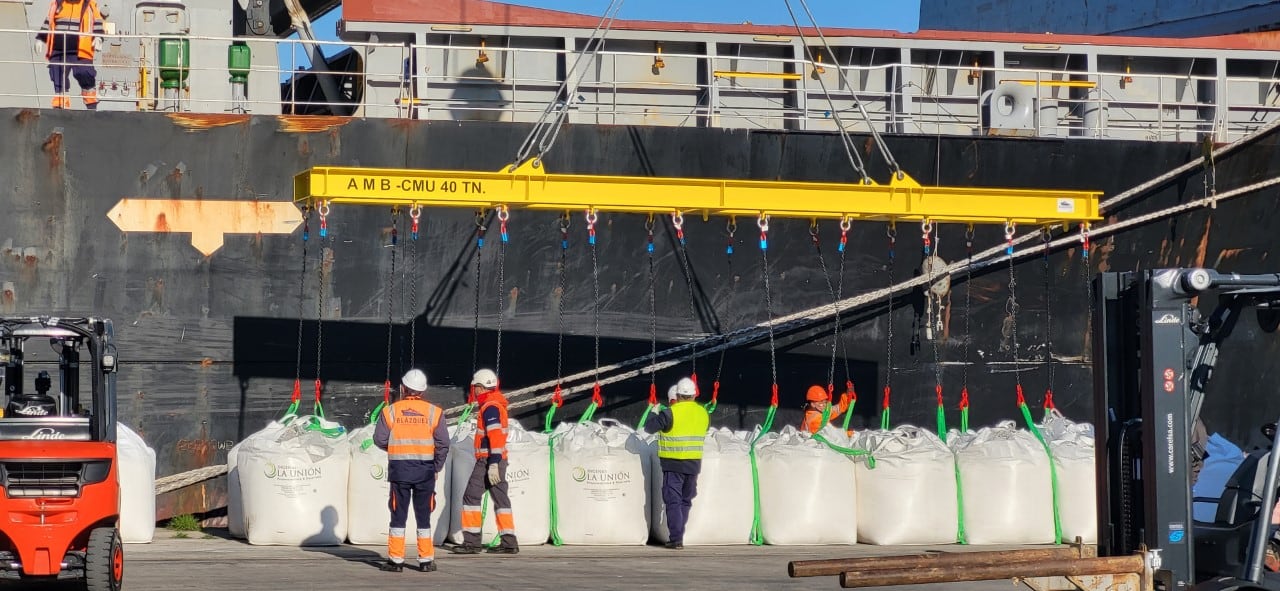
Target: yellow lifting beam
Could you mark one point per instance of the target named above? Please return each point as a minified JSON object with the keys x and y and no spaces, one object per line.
{"x":531,"y":187}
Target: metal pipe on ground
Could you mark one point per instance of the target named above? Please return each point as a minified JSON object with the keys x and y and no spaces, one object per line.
{"x":836,"y":566}
{"x":1112,"y":565}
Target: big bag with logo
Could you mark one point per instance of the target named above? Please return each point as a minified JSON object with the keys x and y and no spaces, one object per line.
{"x":601,"y":484}
{"x":294,"y":484}
{"x":723,"y":509}
{"x":368,"y":493}
{"x":528,"y":484}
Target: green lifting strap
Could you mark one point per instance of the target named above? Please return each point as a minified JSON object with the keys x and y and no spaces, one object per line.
{"x":651,"y":409}
{"x":555,"y":503}
{"x":1053,"y":470}
{"x":373,"y":420}
{"x":466,"y":412}
{"x":942,"y":423}
{"x":484,"y":509}
{"x":588,"y":414}
{"x":961,"y":536}
{"x":848,"y":414}
{"x":848,"y":451}
{"x":757,"y":531}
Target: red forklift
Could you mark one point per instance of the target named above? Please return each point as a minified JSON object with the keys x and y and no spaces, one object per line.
{"x":60,"y":504}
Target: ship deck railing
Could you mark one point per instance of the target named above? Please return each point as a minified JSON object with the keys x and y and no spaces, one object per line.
{"x":717,"y":91}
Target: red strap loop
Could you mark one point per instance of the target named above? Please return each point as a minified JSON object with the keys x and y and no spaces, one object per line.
{"x":964,"y":397}
{"x":696,"y":390}
{"x":653,"y":395}
{"x":831,"y":390}
{"x":1021,"y":399}
{"x":886,"y":397}
{"x":848,"y":387}
{"x":715,"y":390}
{"x":774,"y":401}
{"x":557,"y":398}
{"x":297,"y":391}
{"x":386,"y":392}
{"x":595,"y":395}
{"x":317,"y":389}
{"x":938,"y":389}
{"x":1048,"y":399}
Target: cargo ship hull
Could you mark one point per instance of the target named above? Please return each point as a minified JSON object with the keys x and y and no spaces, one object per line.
{"x":209,"y":345}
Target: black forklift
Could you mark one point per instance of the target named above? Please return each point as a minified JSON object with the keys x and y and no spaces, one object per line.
{"x":1154,"y":353}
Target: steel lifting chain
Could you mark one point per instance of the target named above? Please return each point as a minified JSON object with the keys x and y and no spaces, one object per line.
{"x":1086,"y":270}
{"x":592,"y":218}
{"x":732,"y":228}
{"x":504,"y":214}
{"x":1011,"y":308}
{"x":968,"y":328}
{"x":415,"y":215}
{"x":475,"y":334}
{"x":677,"y":221}
{"x":933,"y":313}
{"x":391,"y":286}
{"x":845,"y":225}
{"x":564,"y":263}
{"x":892,"y":233}
{"x":816,"y":239}
{"x":653,"y":313}
{"x":323,"y":210}
{"x":763,"y":223}
{"x":1046,"y":237}
{"x":302,"y":294}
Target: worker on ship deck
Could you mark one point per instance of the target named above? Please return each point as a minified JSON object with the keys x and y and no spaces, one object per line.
{"x":816,"y":401}
{"x":414,"y":434}
{"x":490,"y":471}
{"x":69,"y":37}
{"x":682,"y":430}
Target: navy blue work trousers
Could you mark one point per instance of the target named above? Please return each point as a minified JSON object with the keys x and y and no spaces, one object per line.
{"x":678,"y":491}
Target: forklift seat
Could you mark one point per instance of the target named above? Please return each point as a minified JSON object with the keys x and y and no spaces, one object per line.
{"x":1222,"y":545}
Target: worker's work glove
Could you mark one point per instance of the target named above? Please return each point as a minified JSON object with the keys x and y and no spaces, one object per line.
{"x":97,"y":44}
{"x":494,"y":476}
{"x":39,"y":47}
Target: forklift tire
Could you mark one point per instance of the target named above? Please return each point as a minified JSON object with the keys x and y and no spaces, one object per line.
{"x":104,"y":560}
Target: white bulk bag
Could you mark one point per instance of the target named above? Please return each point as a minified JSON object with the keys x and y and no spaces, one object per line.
{"x":235,"y":499}
{"x":369,"y":492}
{"x":601,"y":488}
{"x":909,"y":497}
{"x":808,"y":492}
{"x":137,"y":474}
{"x":723,"y":510}
{"x":295,"y":485}
{"x":1072,"y":445}
{"x":1004,"y":478}
{"x":528,"y":484}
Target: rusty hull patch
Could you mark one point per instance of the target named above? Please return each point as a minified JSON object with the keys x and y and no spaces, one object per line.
{"x":53,"y":147}
{"x":203,"y":121}
{"x":26,"y":115}
{"x":310,"y":123}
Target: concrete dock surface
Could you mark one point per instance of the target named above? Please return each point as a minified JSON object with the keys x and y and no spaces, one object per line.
{"x":209,"y":560}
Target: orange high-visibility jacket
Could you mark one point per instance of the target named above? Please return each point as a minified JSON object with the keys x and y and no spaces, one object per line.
{"x":813,"y":418}
{"x":413,"y":425}
{"x":491,"y":438}
{"x":80,"y":19}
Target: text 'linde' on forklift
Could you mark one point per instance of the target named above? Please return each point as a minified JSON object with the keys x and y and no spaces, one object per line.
{"x":1153,"y":356}
{"x":60,"y":503}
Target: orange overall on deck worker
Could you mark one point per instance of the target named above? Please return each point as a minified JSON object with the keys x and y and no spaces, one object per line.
{"x":816,"y":402}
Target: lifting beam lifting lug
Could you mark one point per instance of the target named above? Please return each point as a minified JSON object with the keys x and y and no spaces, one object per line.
{"x":529,"y":186}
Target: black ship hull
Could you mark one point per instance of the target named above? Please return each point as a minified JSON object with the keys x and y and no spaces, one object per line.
{"x":209,"y":345}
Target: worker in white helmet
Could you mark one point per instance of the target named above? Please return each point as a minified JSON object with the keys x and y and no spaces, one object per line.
{"x":682,"y":429}
{"x":490,"y":470}
{"x":416,"y":439}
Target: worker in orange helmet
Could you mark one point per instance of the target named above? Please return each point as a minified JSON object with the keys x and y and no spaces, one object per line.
{"x":815,"y":402}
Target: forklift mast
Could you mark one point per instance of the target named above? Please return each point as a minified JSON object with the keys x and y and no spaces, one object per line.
{"x":1153,"y":354}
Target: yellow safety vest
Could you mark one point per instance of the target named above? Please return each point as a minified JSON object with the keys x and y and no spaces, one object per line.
{"x":689,"y":422}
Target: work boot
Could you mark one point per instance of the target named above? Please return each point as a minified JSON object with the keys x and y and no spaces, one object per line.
{"x":465,"y":549}
{"x":673,"y":546}
{"x":504,"y":550}
{"x":61,"y":102}
{"x":427,"y":567}
{"x":391,"y":567}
